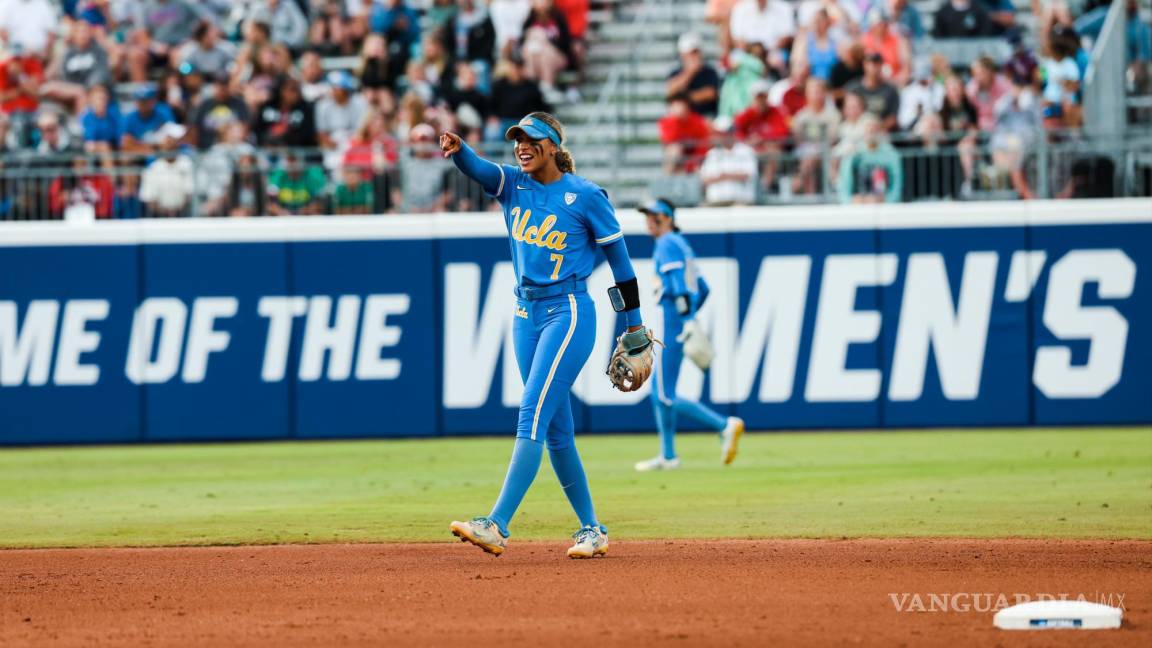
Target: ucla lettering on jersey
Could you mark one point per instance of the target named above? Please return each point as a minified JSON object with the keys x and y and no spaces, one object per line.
{"x":542,"y":236}
{"x":554,"y":228}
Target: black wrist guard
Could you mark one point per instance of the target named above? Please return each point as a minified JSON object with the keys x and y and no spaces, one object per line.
{"x":625,"y":296}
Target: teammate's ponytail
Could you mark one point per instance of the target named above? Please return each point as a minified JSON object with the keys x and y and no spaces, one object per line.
{"x":564,"y":160}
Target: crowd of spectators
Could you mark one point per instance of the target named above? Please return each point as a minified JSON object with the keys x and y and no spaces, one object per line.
{"x":122,"y":108}
{"x":856,"y":81}
{"x":266,"y":107}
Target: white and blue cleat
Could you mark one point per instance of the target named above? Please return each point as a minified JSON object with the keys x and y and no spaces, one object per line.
{"x":590,"y":542}
{"x":481,"y":532}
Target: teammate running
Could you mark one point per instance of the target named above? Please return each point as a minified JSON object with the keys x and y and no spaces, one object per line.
{"x":681,"y":293}
{"x":556,"y":221}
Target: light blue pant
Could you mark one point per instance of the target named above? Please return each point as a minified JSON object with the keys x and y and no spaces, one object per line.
{"x":665,"y":403}
{"x":553,"y":338}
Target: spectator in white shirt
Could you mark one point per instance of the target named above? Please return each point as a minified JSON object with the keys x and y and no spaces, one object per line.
{"x":289,"y":25}
{"x":844,"y":15}
{"x":729,"y":171}
{"x":925,"y":95}
{"x":508,"y":18}
{"x":167,"y":184}
{"x":339,"y":114}
{"x":30,"y":23}
{"x":768,"y":22}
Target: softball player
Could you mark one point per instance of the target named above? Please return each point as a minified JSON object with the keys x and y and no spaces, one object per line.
{"x":681,"y":292}
{"x":556,"y":221}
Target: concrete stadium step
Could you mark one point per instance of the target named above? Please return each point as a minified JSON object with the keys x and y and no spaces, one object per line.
{"x":648,"y":110}
{"x":625,"y":196}
{"x":644,"y":70}
{"x":611,"y":53}
{"x":639,"y":32}
{"x":683,"y":12}
{"x":597,"y":17}
{"x":621,"y":154}
{"x":622,"y":176}
{"x":584,"y":134}
{"x":637,"y":90}
{"x":667,"y":35}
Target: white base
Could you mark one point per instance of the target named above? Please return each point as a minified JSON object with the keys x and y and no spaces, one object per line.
{"x":1047,"y":615}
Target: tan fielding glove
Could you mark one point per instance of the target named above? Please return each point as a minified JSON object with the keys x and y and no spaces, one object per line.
{"x":631,"y":362}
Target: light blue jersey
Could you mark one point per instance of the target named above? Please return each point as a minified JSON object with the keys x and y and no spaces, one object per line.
{"x":677,"y":271}
{"x":554,"y":229}
{"x":679,"y":277}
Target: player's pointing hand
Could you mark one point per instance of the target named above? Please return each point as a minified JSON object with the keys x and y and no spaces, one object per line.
{"x":449,"y":143}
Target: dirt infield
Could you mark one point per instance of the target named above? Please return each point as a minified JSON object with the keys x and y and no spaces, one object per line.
{"x":721,"y":593}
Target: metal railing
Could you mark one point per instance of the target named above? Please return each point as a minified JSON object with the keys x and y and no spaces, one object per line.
{"x":235,"y":182}
{"x":284,"y":182}
{"x":957,"y":166}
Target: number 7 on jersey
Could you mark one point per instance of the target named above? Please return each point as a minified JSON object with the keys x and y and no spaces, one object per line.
{"x":559,"y":259}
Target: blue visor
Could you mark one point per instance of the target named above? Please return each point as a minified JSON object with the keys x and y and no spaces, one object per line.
{"x":535,"y":129}
{"x":657,"y":207}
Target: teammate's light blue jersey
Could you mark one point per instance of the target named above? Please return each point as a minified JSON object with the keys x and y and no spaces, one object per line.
{"x":677,"y":271}
{"x":554,"y":229}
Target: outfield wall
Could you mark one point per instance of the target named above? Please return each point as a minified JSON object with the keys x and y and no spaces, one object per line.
{"x":823,"y":317}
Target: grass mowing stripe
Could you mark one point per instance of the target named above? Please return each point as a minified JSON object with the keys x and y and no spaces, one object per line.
{"x":1063,"y":483}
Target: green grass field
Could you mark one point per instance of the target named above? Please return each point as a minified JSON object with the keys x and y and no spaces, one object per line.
{"x":1074,"y":483}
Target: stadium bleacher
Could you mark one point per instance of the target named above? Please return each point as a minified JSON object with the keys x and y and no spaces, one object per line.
{"x":270,"y":141}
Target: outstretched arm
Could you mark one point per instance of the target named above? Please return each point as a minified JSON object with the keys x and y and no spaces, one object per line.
{"x":489,"y":174}
{"x":617,"y":254}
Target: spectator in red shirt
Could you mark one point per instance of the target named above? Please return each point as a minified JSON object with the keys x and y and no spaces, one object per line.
{"x":788,"y":93}
{"x":765,"y":128}
{"x":83,"y":186}
{"x":372,"y":149}
{"x":685,"y":136}
{"x":576,"y":13}
{"x":761,"y":123}
{"x":20,"y":78}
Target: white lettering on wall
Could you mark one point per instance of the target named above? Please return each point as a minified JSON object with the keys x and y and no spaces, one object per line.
{"x":1105,"y":329}
{"x":956,"y":333}
{"x":280,"y":311}
{"x":158,"y":323}
{"x":203,"y":338}
{"x":26,"y":351}
{"x":769,"y":339}
{"x":336,"y":339}
{"x":76,"y":340}
{"x":376,"y":335}
{"x":839,"y":325}
{"x":474,"y":338}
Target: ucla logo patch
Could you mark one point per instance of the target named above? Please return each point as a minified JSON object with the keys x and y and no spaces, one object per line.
{"x":521,"y":313}
{"x":569,"y":198}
